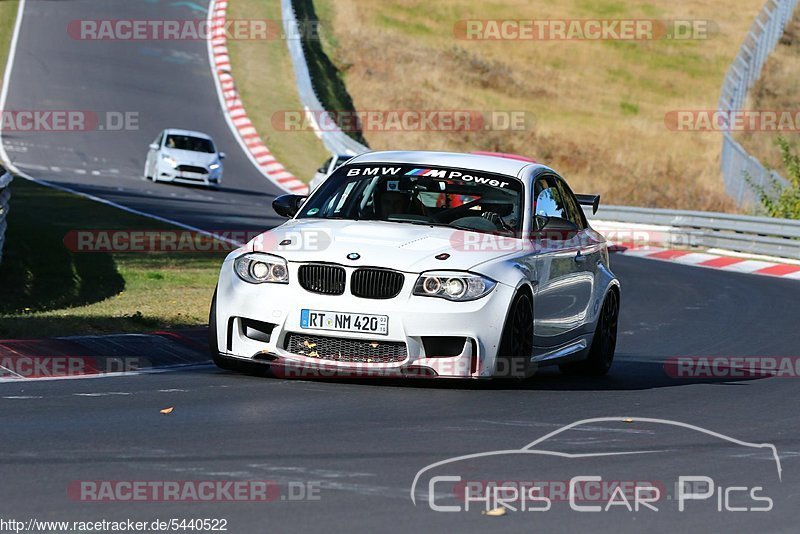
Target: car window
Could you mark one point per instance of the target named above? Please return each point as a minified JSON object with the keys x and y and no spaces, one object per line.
{"x":413,"y":194}
{"x":573,"y":210}
{"x":548,"y":199}
{"x":159,"y":139}
{"x":192,"y":144}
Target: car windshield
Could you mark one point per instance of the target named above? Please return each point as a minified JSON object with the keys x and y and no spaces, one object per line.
{"x":188,"y":142}
{"x":440,"y":196}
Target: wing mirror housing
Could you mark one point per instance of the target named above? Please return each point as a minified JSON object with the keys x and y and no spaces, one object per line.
{"x":556,"y":227}
{"x":154,"y":146}
{"x":288,"y":205}
{"x":222,"y":155}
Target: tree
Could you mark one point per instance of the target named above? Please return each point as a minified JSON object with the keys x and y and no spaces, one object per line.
{"x":780,"y":200}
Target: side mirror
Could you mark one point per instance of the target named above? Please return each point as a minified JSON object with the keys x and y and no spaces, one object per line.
{"x":323,"y":169}
{"x":222,"y":155}
{"x":288,"y":205}
{"x":556,"y":227}
{"x":154,"y":146}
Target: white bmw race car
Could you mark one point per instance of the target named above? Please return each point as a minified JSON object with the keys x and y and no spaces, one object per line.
{"x":422,"y":264}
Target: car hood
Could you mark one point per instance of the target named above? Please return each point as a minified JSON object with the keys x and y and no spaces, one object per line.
{"x":400,"y":246}
{"x":188,"y":157}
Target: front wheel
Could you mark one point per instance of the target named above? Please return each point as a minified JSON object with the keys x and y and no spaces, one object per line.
{"x":604,"y":343}
{"x":516,"y":345}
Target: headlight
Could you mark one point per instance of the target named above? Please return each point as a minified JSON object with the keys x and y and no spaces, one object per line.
{"x":172,"y":162}
{"x":258,"y":268}
{"x":214,"y":166}
{"x":453,"y":285}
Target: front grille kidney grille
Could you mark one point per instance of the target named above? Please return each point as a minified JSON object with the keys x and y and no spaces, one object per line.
{"x":321,"y":278}
{"x":371,"y":283}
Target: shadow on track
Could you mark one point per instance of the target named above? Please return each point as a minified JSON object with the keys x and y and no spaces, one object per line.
{"x":624,"y":376}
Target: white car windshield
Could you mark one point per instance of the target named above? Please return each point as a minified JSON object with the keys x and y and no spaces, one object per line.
{"x":439,"y":196}
{"x":190,"y":143}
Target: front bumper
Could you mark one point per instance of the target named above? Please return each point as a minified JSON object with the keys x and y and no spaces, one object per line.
{"x":422,"y":324}
{"x":167,"y":173}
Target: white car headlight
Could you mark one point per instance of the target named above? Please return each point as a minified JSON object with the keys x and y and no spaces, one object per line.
{"x":259,"y":268}
{"x":453,"y":285}
{"x":214,"y":166}
{"x":172,"y":162}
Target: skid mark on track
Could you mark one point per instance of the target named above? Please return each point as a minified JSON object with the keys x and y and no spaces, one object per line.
{"x":536,"y":424}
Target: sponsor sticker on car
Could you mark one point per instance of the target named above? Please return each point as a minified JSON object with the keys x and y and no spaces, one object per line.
{"x":344,"y":322}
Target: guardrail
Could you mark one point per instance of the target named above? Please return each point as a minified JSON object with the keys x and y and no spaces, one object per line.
{"x":334,"y":139}
{"x":5,"y":198}
{"x":746,"y":234}
{"x":745,"y":70}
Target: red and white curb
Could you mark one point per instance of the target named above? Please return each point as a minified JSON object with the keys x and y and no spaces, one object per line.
{"x":665,"y":243}
{"x":235,"y":113}
{"x":715,"y":261}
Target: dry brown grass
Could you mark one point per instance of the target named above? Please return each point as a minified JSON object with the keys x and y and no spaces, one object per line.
{"x":777,"y":89}
{"x":599,"y":106}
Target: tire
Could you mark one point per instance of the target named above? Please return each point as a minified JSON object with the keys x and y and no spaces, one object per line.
{"x":604,"y":343}
{"x":223,"y":362}
{"x":516,"y":344}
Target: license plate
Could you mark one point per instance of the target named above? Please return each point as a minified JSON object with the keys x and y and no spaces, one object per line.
{"x":344,"y":322}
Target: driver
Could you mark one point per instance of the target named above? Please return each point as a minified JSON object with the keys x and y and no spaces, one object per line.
{"x":399,"y":203}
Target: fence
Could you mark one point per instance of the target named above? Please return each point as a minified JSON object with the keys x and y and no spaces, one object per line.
{"x":742,"y":74}
{"x":5,"y":198}
{"x":335,"y":140}
{"x":750,"y":235}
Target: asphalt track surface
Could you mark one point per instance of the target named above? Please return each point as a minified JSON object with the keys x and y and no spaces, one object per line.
{"x":167,"y":84}
{"x":359,"y":444}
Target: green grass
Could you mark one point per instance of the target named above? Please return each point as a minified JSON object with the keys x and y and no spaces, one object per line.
{"x":266,"y":83}
{"x":48,"y":290}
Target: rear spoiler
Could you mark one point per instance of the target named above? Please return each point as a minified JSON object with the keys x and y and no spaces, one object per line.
{"x":589,"y":200}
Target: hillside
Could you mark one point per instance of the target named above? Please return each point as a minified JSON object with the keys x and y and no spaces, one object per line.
{"x":599,"y":106}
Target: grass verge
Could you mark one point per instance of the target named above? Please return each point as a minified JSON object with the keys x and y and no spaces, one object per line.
{"x":599,"y":106}
{"x":265,"y":80}
{"x":47,"y":290}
